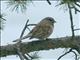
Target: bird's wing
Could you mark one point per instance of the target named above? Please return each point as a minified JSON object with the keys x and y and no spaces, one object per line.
{"x":41,"y":31}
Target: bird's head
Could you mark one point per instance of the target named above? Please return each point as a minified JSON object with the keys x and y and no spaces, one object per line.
{"x":50,"y":19}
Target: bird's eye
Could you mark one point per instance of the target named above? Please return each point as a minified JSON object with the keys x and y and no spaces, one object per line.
{"x":51,"y":20}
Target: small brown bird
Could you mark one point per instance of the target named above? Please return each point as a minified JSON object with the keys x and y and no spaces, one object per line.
{"x":42,"y":30}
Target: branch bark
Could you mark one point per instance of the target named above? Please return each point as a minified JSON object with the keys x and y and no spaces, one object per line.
{"x":53,"y":43}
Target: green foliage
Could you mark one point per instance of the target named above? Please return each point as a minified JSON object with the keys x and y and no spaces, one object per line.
{"x":18,"y":5}
{"x":2,"y":21}
{"x":74,"y":4}
{"x":71,"y":2}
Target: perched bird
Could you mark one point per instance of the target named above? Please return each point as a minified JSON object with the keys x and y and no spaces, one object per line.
{"x":42,"y":30}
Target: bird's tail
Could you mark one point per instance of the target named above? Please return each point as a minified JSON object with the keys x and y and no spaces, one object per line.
{"x":19,"y":39}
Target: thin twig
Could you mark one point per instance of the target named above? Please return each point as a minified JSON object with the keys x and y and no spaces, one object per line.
{"x":76,"y":29}
{"x":28,"y":28}
{"x":71,"y":19}
{"x":20,"y":55}
{"x":76,"y":9}
{"x":3,"y":19}
{"x":18,"y":51}
{"x":77,"y":4}
{"x":31,"y":24}
{"x":75,"y":55}
{"x":48,"y":2}
{"x":64,"y":54}
{"x":24,"y":28}
{"x":29,"y":55}
{"x":25,"y":57}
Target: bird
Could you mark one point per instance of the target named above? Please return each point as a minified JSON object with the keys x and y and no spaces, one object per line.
{"x":42,"y":30}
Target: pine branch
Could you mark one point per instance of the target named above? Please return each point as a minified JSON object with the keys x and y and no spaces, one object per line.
{"x":26,"y":47}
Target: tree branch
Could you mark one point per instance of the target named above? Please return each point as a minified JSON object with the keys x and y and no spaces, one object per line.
{"x":63,"y":42}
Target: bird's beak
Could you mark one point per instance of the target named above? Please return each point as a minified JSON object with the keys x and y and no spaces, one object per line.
{"x":54,"y":21}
